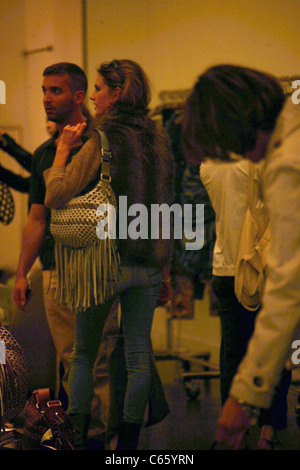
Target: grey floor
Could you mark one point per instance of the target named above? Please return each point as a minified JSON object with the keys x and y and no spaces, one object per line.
{"x":191,"y":424}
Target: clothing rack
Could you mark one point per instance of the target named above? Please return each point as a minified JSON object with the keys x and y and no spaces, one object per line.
{"x":174,"y":100}
{"x":189,"y":377}
{"x":170,"y":99}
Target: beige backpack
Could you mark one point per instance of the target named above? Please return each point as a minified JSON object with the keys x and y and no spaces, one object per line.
{"x":252,"y":255}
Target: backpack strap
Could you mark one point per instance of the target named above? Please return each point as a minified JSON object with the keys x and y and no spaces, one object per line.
{"x":105,"y":157}
{"x":251,"y":174}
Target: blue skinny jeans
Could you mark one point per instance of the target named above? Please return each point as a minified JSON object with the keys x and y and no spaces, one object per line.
{"x":138,"y":290}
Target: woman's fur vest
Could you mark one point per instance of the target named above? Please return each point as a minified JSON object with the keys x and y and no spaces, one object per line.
{"x":142,"y":168}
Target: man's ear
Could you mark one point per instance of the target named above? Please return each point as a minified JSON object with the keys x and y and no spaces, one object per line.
{"x":79,"y":96}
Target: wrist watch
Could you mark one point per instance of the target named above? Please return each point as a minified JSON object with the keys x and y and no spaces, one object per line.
{"x":251,"y":411}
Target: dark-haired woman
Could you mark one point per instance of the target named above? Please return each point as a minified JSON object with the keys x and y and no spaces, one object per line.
{"x":239,"y":110}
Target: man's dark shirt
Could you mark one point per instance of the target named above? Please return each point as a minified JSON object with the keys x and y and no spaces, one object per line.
{"x":42,"y":159}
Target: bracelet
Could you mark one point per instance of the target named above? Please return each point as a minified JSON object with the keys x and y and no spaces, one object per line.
{"x":251,"y":411}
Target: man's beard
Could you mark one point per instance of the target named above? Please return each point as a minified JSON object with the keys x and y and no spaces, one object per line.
{"x":61,"y":117}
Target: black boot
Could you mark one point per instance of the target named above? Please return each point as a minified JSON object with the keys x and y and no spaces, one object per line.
{"x":80,"y":423}
{"x":128,"y":436}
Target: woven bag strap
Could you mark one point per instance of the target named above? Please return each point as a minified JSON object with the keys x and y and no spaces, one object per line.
{"x":105,"y":157}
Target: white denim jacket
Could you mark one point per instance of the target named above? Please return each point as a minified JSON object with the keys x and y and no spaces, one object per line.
{"x":279,"y":317}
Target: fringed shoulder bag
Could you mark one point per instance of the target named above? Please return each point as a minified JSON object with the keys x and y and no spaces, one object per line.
{"x":86,"y":256}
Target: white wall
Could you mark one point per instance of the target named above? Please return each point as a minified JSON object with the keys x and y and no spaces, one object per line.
{"x":27,"y":25}
{"x":175,"y":40}
{"x":13,"y":116}
{"x":56,"y":23}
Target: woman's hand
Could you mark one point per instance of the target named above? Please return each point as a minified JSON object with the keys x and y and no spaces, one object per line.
{"x":232,"y":425}
{"x":71,"y":136}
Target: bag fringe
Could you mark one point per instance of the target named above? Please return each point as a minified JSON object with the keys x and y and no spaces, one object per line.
{"x":86,"y":274}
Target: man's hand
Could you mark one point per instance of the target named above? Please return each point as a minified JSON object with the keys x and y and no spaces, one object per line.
{"x":232,"y":425}
{"x":33,"y":237}
{"x":22,"y":294}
